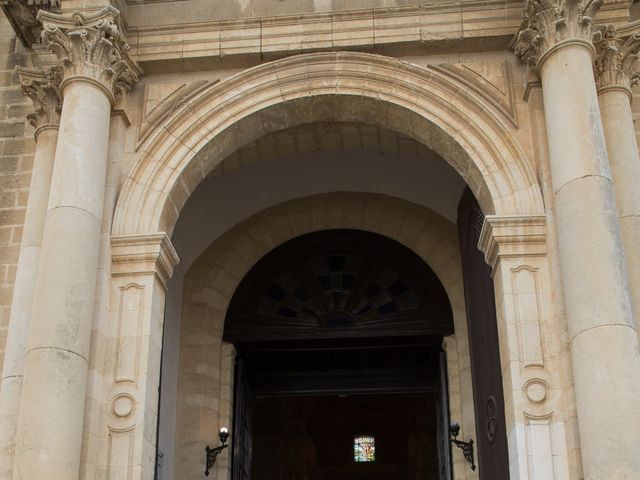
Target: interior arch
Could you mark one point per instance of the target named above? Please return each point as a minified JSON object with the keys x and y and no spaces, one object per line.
{"x":203,"y":379}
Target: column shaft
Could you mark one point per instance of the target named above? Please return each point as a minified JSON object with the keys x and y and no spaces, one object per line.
{"x":620,"y":135}
{"x":26,"y":273}
{"x":603,"y":341}
{"x":51,"y":417}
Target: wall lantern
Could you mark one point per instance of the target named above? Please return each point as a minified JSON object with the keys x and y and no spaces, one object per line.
{"x":466,"y":447}
{"x":212,"y":453}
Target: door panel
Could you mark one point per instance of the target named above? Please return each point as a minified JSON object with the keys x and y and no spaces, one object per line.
{"x":493,"y":463}
{"x":444,"y":445}
{"x":242,"y":425}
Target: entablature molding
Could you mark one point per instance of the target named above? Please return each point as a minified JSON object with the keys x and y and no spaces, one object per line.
{"x":143,"y":254}
{"x":426,"y":28}
{"x":42,"y":86}
{"x":92,"y":48}
{"x":513,"y":236}
{"x":616,"y":57}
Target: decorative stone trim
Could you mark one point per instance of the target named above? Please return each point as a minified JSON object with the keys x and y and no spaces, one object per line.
{"x":512,"y":236}
{"x":22,"y":15}
{"x":151,"y":254}
{"x":92,"y":48}
{"x":43,"y":88}
{"x":547,"y":23}
{"x":615,"y":59}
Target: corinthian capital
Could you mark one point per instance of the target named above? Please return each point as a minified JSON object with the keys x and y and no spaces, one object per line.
{"x":615,"y":58}
{"x":548,"y":22}
{"x":91,"y":47}
{"x":43,"y":88}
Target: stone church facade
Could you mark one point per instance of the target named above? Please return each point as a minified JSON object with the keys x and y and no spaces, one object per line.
{"x":154,"y":151}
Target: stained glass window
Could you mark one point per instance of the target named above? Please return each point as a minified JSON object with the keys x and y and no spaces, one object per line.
{"x":364,"y":448}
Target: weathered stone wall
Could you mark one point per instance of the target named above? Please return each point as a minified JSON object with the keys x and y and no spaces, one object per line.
{"x":16,"y":160}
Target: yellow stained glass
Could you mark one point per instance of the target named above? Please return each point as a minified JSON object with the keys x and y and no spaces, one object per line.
{"x":364,"y":448}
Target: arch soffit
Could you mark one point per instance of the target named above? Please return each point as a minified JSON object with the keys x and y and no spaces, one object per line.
{"x":213,"y":278}
{"x":425,"y":104}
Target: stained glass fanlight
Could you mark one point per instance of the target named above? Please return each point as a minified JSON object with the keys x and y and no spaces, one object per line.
{"x":364,"y":448}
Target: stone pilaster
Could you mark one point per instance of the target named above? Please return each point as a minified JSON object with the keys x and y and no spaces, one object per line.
{"x":141,"y":267}
{"x":531,"y":349}
{"x":95,"y":66}
{"x":43,"y":87}
{"x":555,"y":38}
{"x":615,"y":75}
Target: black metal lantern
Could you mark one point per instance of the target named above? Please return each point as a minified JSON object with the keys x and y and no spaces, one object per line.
{"x":212,"y":453}
{"x":466,"y":447}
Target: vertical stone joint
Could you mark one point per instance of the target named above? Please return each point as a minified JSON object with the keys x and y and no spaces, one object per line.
{"x":43,"y":88}
{"x":92,"y":48}
{"x":616,"y":58}
{"x":546,"y":23}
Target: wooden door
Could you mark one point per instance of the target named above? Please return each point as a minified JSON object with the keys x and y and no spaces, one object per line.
{"x":242,"y":434}
{"x":444,"y":445}
{"x":486,"y":374}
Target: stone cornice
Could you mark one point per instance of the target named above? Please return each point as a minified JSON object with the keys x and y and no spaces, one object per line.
{"x":307,"y":32}
{"x":548,"y":24}
{"x":144,"y":254}
{"x":615,"y":59}
{"x":512,"y":236}
{"x":43,"y":88}
{"x":92,"y":48}
{"x":22,"y":15}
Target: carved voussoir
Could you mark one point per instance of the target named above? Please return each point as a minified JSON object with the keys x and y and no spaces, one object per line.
{"x":616,"y":58}
{"x":91,"y":47}
{"x":547,"y":23}
{"x":43,"y":88}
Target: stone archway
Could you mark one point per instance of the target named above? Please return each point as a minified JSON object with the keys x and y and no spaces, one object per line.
{"x":205,"y":372}
{"x":428,"y":105}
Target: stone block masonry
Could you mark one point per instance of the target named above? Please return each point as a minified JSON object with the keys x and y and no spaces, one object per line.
{"x":16,"y":161}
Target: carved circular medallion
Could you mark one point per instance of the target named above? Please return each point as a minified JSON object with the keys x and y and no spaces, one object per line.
{"x":491,"y":419}
{"x":123,"y":405}
{"x":535,"y":390}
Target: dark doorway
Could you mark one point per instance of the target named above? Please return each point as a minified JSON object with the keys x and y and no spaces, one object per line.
{"x":339,"y":334}
{"x":493,"y":459}
{"x":314,"y":437}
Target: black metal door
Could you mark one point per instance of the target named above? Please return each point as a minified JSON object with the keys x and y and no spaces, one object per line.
{"x":242,"y":423}
{"x":486,"y":374}
{"x":444,"y":445}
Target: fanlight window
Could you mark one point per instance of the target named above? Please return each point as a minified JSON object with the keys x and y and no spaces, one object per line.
{"x":338,"y":284}
{"x":364,"y":448}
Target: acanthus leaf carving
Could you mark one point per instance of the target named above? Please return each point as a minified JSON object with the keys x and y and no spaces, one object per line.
{"x":43,"y":88}
{"x":615,"y":58}
{"x":91,"y":46}
{"x":548,"y":22}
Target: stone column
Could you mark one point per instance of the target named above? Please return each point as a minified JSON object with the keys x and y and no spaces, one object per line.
{"x":615,"y":76}
{"x":556,"y":38}
{"x":43,"y":87}
{"x":94,"y":59}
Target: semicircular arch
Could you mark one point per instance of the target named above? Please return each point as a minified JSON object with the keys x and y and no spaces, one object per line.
{"x":212,"y":280}
{"x":425,"y":104}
